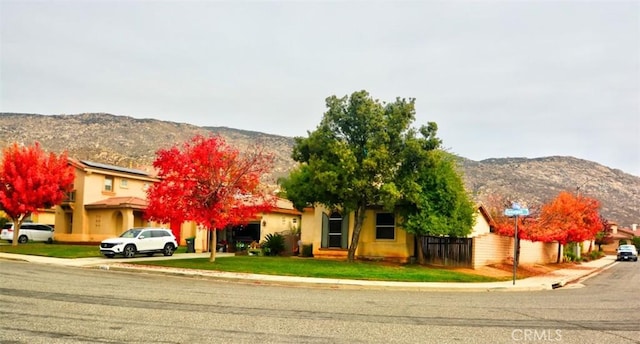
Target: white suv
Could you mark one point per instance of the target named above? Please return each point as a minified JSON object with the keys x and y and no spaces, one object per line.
{"x":140,"y":240}
{"x":28,"y":232}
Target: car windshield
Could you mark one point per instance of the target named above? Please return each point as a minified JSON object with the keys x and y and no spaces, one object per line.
{"x":132,"y":233}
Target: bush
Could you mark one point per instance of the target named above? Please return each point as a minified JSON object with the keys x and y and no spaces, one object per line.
{"x":273,"y":244}
{"x":307,"y":250}
{"x":570,"y":257}
{"x":622,"y":242}
{"x":636,"y":242}
{"x":596,"y":255}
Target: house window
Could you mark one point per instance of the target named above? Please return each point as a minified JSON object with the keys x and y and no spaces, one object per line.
{"x":385,"y":226}
{"x":124,"y":183}
{"x":108,"y":183}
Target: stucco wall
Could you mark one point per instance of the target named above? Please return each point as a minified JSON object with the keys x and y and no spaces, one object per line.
{"x":493,"y":249}
{"x":481,"y":225}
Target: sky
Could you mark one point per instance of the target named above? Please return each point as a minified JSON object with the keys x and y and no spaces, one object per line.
{"x":500,"y":78}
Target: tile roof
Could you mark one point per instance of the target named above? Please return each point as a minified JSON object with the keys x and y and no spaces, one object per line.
{"x":120,"y":202}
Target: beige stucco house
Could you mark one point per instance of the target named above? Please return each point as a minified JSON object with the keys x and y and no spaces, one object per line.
{"x":282,"y":219}
{"x":381,"y":238}
{"x":105,"y":201}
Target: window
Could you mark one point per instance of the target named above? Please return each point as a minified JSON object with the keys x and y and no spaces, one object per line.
{"x":124,"y":183}
{"x":385,"y":226}
{"x":108,"y":183}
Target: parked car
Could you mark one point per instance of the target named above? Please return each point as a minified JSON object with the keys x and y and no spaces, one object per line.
{"x":627,"y":252}
{"x":28,"y":232}
{"x":140,"y":240}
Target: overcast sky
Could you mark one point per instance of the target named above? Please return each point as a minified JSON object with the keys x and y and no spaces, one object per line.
{"x":500,"y":78}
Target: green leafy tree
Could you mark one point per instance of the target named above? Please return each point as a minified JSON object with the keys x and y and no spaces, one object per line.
{"x":437,"y":202}
{"x":353,"y":158}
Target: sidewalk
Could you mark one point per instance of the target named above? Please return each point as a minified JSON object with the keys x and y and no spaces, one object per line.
{"x":553,"y":280}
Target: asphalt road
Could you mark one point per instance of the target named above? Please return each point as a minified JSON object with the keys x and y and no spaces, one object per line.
{"x":53,"y":304}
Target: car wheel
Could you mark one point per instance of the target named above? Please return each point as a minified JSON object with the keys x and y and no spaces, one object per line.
{"x":129,"y":251}
{"x":168,"y":250}
{"x":50,"y":241}
{"x":23,"y":239}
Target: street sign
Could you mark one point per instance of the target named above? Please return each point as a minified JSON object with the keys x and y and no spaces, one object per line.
{"x":516,"y":212}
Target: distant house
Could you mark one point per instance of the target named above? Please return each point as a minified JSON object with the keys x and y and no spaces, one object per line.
{"x":620,"y":234}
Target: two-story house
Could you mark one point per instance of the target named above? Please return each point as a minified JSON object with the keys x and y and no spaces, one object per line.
{"x":105,"y":201}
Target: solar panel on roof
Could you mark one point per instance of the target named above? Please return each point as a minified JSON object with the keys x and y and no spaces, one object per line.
{"x":114,"y":168}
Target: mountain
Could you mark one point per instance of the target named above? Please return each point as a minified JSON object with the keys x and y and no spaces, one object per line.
{"x":131,"y":142}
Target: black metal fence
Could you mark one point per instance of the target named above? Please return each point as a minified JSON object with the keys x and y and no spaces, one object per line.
{"x":447,"y":251}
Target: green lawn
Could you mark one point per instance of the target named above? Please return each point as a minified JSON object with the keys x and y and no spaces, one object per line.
{"x":287,"y":266}
{"x":292,"y":266}
{"x":59,"y":250}
{"x":53,"y":250}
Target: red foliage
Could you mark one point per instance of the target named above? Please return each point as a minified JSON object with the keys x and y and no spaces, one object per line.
{"x":210,"y":183}
{"x":31,"y":179}
{"x":604,"y":235}
{"x":569,"y":218}
{"x":504,"y":225}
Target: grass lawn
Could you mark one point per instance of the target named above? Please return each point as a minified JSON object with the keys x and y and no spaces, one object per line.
{"x":287,"y":266}
{"x":53,"y":250}
{"x":290,"y":266}
{"x":59,"y":250}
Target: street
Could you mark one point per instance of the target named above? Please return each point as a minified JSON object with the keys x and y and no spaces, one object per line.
{"x":53,"y":304}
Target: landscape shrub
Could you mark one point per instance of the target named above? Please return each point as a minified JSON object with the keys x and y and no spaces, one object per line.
{"x":636,"y":242}
{"x":273,"y":244}
{"x":596,"y":255}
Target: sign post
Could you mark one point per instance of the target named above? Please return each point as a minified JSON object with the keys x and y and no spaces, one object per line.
{"x":515,"y":211}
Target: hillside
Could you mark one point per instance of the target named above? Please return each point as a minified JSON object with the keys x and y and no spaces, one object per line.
{"x":130,"y":142}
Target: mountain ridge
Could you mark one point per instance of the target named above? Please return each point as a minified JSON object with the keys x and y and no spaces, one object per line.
{"x":132,"y":142}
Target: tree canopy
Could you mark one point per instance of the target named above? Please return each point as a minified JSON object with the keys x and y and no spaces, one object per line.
{"x":436,"y":201}
{"x":210,"y":183}
{"x":30,"y":180}
{"x":354,"y":157}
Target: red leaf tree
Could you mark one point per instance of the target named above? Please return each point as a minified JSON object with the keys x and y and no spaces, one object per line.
{"x":604,"y":235}
{"x":210,"y":183}
{"x":31,"y":179}
{"x":569,"y":218}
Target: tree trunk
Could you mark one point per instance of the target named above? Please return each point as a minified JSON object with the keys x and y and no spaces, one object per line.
{"x":420,"y":252}
{"x":359,"y":215}
{"x":17,"y":223}
{"x":559,"y":252}
{"x":212,"y":245}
